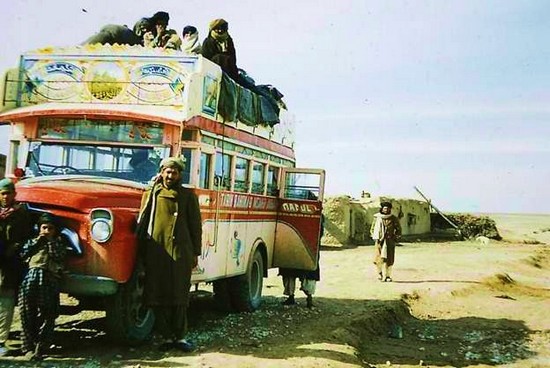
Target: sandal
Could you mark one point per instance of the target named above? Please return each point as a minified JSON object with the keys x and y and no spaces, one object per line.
{"x":380,"y":276}
{"x":388,"y":279}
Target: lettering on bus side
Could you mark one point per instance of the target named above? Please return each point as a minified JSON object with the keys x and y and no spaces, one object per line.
{"x":259,"y":203}
{"x":65,"y":68}
{"x":299,"y":208}
{"x":227,"y":200}
{"x":242,"y":201}
{"x":271,"y":204}
{"x":204,"y":200}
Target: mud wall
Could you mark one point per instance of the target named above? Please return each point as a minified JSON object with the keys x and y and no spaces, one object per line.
{"x":348,"y":220}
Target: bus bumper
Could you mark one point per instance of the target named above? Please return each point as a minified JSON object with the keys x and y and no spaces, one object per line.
{"x":85,"y":285}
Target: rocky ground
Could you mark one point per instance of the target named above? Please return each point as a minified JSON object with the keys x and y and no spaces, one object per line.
{"x":452,"y":304}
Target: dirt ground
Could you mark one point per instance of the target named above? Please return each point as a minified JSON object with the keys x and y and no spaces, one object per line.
{"x":452,"y":304}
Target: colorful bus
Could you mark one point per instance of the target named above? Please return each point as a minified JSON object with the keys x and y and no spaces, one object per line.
{"x":88,"y":128}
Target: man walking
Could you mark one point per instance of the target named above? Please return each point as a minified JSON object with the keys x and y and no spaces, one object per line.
{"x":385,"y":232}
{"x":171,"y":243}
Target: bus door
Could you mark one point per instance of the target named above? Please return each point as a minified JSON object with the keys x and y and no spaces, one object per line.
{"x":299,"y":218}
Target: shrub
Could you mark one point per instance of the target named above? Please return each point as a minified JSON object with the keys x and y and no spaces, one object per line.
{"x":470,"y":226}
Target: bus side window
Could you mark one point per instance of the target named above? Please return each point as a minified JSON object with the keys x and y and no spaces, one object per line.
{"x":272,"y":178}
{"x":258,"y":178}
{"x":302,"y":186}
{"x":186,"y":174}
{"x":223,"y":171}
{"x":241,"y":175}
{"x":204,"y":171}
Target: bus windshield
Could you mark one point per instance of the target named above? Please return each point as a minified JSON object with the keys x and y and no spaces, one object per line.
{"x":138,"y":164}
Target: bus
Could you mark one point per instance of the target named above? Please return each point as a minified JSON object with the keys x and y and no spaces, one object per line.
{"x":88,"y":127}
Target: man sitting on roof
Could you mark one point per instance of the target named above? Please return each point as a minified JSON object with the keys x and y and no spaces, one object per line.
{"x":219,"y":48}
{"x":114,"y":34}
{"x":161,"y":36}
{"x":190,"y":43}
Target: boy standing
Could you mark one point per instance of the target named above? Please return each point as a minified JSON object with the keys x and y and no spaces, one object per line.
{"x":39,"y":292}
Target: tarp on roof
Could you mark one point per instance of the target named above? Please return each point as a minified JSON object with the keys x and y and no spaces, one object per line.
{"x":247,"y":107}
{"x":250,"y":106}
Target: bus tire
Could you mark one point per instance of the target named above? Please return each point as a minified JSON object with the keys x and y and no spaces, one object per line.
{"x":246,"y":290}
{"x":128,"y":320}
{"x":222,"y":297}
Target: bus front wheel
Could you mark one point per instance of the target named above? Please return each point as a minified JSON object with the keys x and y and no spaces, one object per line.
{"x":246,"y":290}
{"x":128,"y":320}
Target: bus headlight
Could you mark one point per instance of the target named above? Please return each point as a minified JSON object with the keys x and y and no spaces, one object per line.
{"x":101,"y":231}
{"x":102,"y":225}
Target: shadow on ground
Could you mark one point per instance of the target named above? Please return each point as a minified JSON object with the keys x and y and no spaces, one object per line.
{"x":361,"y":332}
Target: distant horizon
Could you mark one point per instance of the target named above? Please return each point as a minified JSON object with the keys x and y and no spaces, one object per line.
{"x":483,"y":213}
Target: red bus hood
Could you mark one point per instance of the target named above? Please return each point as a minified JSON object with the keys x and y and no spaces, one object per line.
{"x":80,"y":193}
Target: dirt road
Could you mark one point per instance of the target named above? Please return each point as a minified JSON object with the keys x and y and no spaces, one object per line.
{"x":455,"y":304}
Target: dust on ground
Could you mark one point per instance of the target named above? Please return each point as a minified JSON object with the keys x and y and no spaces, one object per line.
{"x":452,"y":304}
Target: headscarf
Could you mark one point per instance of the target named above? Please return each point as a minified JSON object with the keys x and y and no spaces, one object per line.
{"x":379,"y":231}
{"x":173,"y":162}
{"x":160,"y":16}
{"x":142,"y":26}
{"x":218,"y":23}
{"x":6,"y":185}
{"x":386,"y":204}
{"x":188,"y":29}
{"x":190,"y":44}
{"x":47,"y":218}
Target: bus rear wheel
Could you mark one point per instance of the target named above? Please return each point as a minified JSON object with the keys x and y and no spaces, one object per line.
{"x":246,"y":290}
{"x":128,"y":320}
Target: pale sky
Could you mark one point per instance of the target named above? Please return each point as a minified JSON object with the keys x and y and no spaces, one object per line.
{"x":450,"y":96}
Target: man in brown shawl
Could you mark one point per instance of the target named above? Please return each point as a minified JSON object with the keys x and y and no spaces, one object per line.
{"x":219,"y":48}
{"x":385,"y":231}
{"x":15,"y":229}
{"x":171,"y":243}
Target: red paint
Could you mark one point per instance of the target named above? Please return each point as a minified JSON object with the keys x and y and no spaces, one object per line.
{"x":72,"y":201}
{"x":239,"y":135}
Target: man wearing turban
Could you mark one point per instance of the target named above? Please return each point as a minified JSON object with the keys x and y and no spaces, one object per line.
{"x":219,"y":48}
{"x":161,"y":36}
{"x":385,"y":231}
{"x":170,"y":241}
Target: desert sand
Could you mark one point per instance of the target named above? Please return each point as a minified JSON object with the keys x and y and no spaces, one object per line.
{"x":451,"y":304}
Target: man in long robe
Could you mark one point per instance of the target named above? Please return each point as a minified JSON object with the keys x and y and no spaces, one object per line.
{"x":171,"y":243}
{"x":385,"y":231}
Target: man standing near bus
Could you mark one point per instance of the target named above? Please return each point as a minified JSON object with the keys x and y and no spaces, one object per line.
{"x":15,"y":229}
{"x":170,"y":245}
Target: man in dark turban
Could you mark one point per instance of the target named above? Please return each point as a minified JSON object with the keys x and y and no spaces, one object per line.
{"x":385,"y":231}
{"x":161,"y":36}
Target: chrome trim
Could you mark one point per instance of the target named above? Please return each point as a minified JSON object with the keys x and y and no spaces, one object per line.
{"x":73,"y":239}
{"x":85,"y":285}
{"x":70,"y":234}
